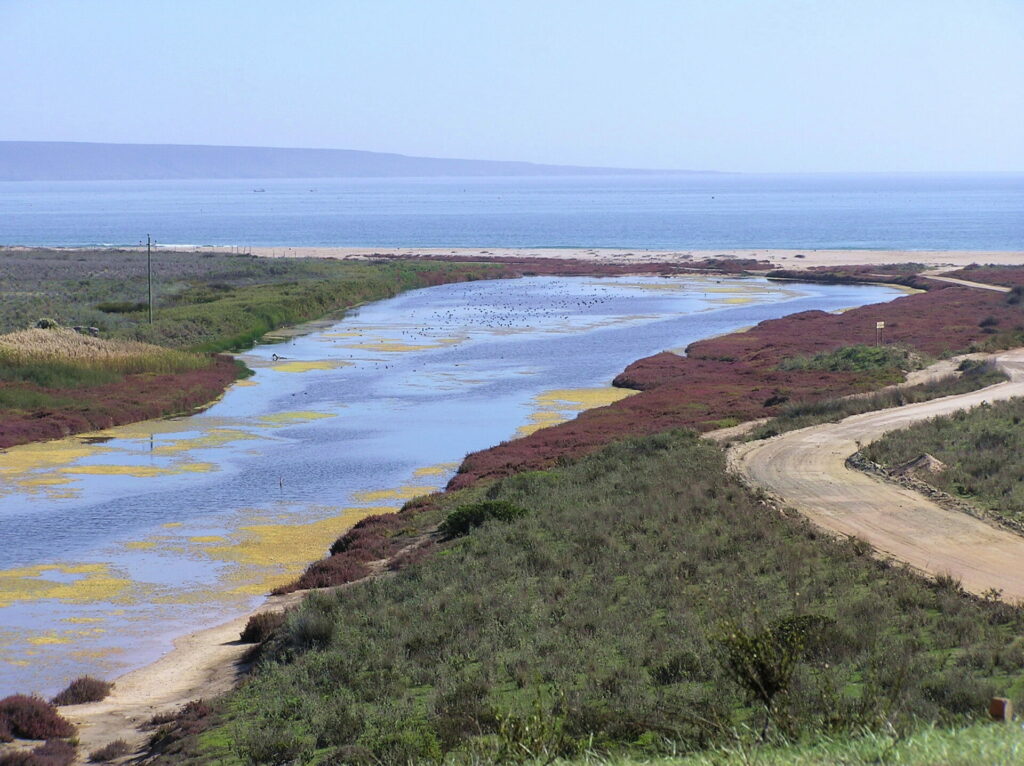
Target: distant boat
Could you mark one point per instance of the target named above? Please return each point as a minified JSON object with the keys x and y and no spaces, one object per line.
{"x":259,"y":190}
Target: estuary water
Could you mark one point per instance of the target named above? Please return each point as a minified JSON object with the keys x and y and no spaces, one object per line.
{"x":698,"y":211}
{"x":115,"y":542}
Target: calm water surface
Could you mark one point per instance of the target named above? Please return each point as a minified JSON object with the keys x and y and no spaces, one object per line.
{"x":116,"y":543}
{"x":701,"y":211}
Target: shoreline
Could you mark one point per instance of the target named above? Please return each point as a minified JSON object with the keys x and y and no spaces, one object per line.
{"x":790,"y":258}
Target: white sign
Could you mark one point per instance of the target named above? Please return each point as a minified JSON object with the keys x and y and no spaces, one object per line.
{"x":879,"y":325}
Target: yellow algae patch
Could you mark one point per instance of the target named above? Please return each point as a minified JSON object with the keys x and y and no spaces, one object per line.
{"x":341,"y":335}
{"x":46,"y":481}
{"x":140,"y":545}
{"x":173,"y":524}
{"x":291,"y":418}
{"x":398,"y":347}
{"x":582,"y":398}
{"x":539,"y":420}
{"x":96,"y":654}
{"x":396,"y":493}
{"x":82,"y":620}
{"x":139,"y":471}
{"x":290,"y":546}
{"x":216,"y":437}
{"x":737,"y":301}
{"x":665,"y":285}
{"x":31,"y":466}
{"x":48,"y":638}
{"x":323,"y":364}
{"x":208,"y":539}
{"x":246,"y":383}
{"x":97,"y":583}
{"x":115,"y":470}
{"x":435,"y":470}
{"x":557,"y":406}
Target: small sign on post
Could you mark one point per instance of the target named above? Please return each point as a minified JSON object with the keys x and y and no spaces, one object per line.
{"x":879,"y":326}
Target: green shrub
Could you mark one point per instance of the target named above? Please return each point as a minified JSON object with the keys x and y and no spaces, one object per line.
{"x":110,"y":751}
{"x":260,"y":627}
{"x":120,"y":307}
{"x":466,"y":517}
{"x":859,"y":358}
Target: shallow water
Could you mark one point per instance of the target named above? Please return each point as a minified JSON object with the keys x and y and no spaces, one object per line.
{"x":115,"y":542}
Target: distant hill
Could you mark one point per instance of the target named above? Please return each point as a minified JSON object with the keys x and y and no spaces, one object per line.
{"x":72,"y":161}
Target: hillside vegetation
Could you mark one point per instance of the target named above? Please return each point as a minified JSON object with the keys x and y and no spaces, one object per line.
{"x":642,"y":601}
{"x":982,"y":449}
{"x":800,"y":414}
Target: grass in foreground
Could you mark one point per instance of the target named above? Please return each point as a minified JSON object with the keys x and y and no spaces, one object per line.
{"x":605,"y":620}
{"x":983,"y":743}
{"x":803,"y":414}
{"x":983,"y":450}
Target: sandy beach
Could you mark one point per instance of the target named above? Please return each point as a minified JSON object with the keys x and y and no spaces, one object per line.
{"x":789,"y":259}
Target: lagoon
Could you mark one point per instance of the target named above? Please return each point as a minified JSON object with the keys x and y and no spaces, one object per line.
{"x":118,"y":541}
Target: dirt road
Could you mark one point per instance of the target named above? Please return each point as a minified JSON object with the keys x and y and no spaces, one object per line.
{"x":807,"y":470}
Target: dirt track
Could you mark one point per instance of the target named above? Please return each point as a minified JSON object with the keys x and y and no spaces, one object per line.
{"x":807,"y":470}
{"x":202,"y":665}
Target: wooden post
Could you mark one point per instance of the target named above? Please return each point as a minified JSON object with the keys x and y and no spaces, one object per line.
{"x":1001,"y":709}
{"x":149,"y":273}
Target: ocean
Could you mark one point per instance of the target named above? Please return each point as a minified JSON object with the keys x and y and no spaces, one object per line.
{"x":699,"y":211}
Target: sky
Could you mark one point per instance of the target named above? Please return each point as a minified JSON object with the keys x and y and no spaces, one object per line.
{"x":734,"y":85}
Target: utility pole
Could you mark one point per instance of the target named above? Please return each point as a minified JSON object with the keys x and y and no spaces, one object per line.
{"x":149,"y":273}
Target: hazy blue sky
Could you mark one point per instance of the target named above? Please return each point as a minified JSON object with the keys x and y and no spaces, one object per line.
{"x":757,"y":85}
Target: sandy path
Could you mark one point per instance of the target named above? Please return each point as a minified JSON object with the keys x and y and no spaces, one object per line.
{"x":203,"y":664}
{"x":781,"y":258}
{"x":807,"y":469}
{"x":965,"y":282}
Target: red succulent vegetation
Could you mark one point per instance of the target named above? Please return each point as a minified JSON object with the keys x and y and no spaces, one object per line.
{"x":29,"y":717}
{"x":136,"y":397}
{"x":736,"y":377}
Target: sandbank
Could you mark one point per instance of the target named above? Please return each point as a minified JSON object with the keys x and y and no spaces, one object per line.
{"x":790,"y":258}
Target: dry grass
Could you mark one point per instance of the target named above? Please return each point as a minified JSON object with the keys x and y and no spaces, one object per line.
{"x":65,"y":346}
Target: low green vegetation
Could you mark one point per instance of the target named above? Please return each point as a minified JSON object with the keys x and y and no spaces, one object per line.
{"x":982,"y":449}
{"x":859,"y":358}
{"x":202,"y":301}
{"x":973,"y":375}
{"x":466,"y":517}
{"x":646,"y":604}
